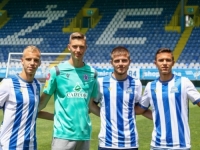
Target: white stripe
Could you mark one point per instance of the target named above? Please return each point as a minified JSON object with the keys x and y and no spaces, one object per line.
{"x":184,"y":108}
{"x":31,"y":145}
{"x":161,"y":111}
{"x":113,"y":109}
{"x":102,"y":133}
{"x":7,"y":126}
{"x":125,"y":114}
{"x":25,"y":111}
{"x":173,"y":114}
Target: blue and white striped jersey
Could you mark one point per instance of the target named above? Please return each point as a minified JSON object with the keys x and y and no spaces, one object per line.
{"x":19,"y":100}
{"x":118,"y":98}
{"x":169,"y":102}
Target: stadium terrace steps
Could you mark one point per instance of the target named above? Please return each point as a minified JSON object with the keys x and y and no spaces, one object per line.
{"x":182,"y":42}
{"x":40,"y":30}
{"x":3,"y":3}
{"x":137,"y":25}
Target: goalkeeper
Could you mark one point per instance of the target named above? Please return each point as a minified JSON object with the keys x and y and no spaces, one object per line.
{"x":74,"y":85}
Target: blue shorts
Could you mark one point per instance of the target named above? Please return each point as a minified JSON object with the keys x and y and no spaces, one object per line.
{"x":102,"y":148}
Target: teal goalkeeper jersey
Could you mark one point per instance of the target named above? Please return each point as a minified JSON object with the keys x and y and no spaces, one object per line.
{"x":72,"y":88}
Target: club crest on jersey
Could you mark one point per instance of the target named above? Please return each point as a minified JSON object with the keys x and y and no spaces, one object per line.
{"x":67,"y":75}
{"x":174,"y":90}
{"x":21,"y":90}
{"x":109,"y":88}
{"x":85,"y":77}
{"x":154,"y":90}
{"x":129,"y":90}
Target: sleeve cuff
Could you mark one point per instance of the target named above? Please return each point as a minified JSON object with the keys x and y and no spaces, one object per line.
{"x":197,"y":101}
{"x":143,"y":107}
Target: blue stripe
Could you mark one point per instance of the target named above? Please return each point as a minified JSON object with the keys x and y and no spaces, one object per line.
{"x":157,"y":115}
{"x":165,"y":99}
{"x":120,"y":122}
{"x":106,"y":92}
{"x":38,"y":89}
{"x":31,"y":102}
{"x":18,"y":116}
{"x":130,"y":112}
{"x":179,"y":112}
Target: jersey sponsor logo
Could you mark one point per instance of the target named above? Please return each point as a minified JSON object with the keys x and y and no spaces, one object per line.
{"x":77,"y":92}
{"x":174,"y":90}
{"x":129,"y":90}
{"x":77,"y":88}
{"x":77,"y":95}
{"x":189,"y":72}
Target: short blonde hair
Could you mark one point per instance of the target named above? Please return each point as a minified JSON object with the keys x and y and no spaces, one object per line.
{"x":31,"y":48}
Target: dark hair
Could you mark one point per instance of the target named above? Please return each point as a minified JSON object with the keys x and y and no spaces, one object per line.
{"x":119,"y":50}
{"x":164,"y":50}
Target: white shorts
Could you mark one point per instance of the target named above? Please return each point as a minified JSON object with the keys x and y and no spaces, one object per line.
{"x":62,"y":144}
{"x":154,"y":148}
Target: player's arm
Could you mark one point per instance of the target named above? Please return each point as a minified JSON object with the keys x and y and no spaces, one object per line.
{"x":42,"y":104}
{"x":98,"y":99}
{"x":49,"y":89}
{"x":145,"y":112}
{"x":45,"y":115}
{"x":192,"y":93}
{"x":43,"y":101}
{"x":142,"y":106}
{"x":148,"y":114}
{"x":4,"y":92}
{"x":94,"y":108}
{"x":139,"y":110}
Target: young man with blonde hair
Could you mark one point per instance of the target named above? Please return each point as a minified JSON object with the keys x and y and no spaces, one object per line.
{"x":19,"y":99}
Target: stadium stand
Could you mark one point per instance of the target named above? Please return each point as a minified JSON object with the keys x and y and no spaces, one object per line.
{"x":190,"y":56}
{"x":36,"y":22}
{"x":137,"y":25}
